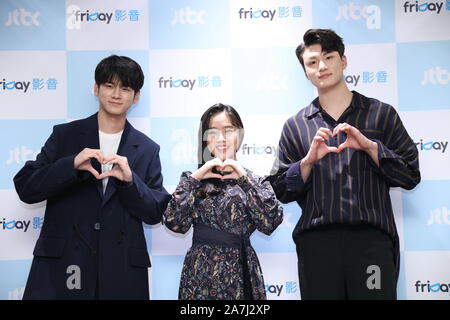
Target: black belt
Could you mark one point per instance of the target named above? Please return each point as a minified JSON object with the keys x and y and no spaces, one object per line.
{"x":210,"y":236}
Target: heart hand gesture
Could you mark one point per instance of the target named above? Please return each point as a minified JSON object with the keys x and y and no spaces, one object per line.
{"x":319,"y":148}
{"x":215,"y":168}
{"x":83,"y":160}
{"x":355,"y":139}
{"x":121,"y":170}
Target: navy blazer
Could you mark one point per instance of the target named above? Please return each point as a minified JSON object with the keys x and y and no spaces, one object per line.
{"x":100,"y":234}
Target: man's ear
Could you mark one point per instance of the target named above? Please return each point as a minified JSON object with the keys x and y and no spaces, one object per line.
{"x":344,"y":62}
{"x":137,"y":95}
{"x":96,"y":88}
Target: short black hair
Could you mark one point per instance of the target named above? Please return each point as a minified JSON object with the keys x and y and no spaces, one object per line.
{"x":124,"y":69}
{"x":327,"y":38}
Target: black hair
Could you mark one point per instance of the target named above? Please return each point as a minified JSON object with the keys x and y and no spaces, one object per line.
{"x":327,"y":38}
{"x":212,"y":186}
{"x":124,"y":69}
{"x":203,"y":153}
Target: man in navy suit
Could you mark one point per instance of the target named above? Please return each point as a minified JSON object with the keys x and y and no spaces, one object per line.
{"x":101,"y":179}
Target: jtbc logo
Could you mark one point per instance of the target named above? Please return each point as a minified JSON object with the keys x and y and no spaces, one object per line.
{"x":435,"y":75}
{"x":21,"y":17}
{"x":371,"y":13}
{"x":273,"y":82}
{"x":21,"y":155}
{"x":439,"y":216}
{"x":188,"y":16}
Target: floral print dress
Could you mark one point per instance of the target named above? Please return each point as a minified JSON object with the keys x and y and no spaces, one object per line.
{"x":240,"y":207}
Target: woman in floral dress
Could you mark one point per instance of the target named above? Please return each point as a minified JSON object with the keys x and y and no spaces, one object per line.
{"x":225,"y":203}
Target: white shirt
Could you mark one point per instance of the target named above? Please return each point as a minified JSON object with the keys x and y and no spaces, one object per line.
{"x":109,"y":144}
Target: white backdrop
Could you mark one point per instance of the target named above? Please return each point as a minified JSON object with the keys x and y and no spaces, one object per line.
{"x":199,"y":52}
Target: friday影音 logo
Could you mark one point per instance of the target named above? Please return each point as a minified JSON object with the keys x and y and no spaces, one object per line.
{"x":254,"y":149}
{"x":431,"y":287}
{"x":367,"y":77}
{"x":270,"y":14}
{"x":282,"y":12}
{"x":432,"y":145}
{"x":76,"y":16}
{"x":21,"y":225}
{"x":170,"y":82}
{"x":289,"y":287}
{"x":425,"y":6}
{"x":35,"y":84}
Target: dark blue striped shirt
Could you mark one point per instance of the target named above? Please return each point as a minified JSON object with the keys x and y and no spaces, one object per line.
{"x":346,"y":188}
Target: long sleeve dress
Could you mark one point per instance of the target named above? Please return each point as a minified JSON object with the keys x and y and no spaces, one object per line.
{"x":240,"y":207}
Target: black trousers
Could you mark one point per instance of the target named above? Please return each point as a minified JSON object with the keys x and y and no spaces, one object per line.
{"x":346,"y":262}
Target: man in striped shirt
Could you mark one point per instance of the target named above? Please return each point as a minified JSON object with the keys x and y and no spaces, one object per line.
{"x":338,"y":158}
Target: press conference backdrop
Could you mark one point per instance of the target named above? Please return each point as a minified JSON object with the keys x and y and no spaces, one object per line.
{"x":199,"y":52}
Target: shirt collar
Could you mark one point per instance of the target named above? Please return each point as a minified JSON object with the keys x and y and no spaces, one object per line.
{"x":314,"y":108}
